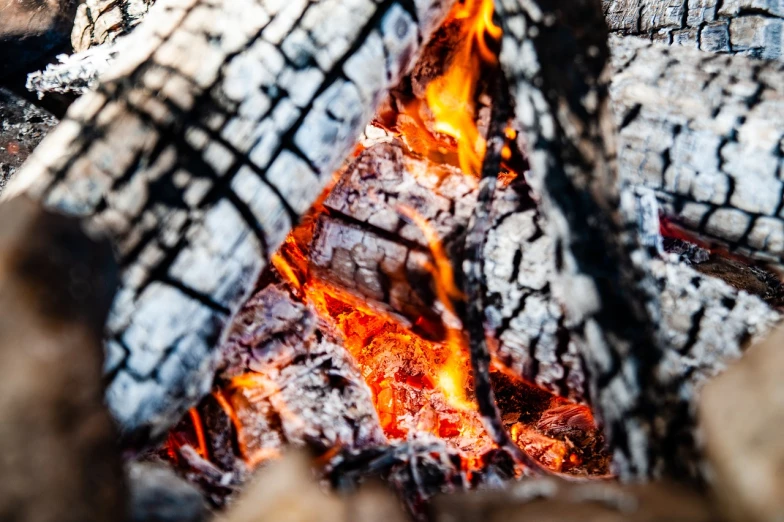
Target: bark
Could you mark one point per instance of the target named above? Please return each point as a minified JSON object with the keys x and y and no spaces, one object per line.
{"x":199,"y":150}
{"x":704,"y":132}
{"x":22,"y":127}
{"x":748,"y":27}
{"x":60,"y":461}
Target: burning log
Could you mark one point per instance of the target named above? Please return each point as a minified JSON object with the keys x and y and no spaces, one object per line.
{"x":703,"y":131}
{"x":747,"y":27}
{"x":59,"y":460}
{"x":704,"y":321}
{"x":201,"y":148}
{"x":365,"y":243}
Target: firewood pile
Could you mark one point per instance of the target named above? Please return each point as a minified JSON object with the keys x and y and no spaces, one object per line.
{"x":353,"y":260}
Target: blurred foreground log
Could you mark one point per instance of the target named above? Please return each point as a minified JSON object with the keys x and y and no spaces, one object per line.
{"x":31,"y":29}
{"x":59,"y":461}
{"x":551,"y":500}
{"x":287,"y":490}
{"x":742,"y":417}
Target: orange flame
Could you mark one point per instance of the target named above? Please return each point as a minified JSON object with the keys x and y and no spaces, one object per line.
{"x":451,"y":96}
{"x":452,"y":374}
{"x":198,"y":428}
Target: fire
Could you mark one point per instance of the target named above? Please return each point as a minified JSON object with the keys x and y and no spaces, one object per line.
{"x":451,"y":97}
{"x":451,"y":374}
{"x":418,"y":386}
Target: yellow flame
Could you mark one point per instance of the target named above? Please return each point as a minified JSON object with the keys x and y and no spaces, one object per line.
{"x":452,"y":374}
{"x":450,"y":97}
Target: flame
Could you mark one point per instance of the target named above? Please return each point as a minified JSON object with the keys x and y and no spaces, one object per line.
{"x":451,"y":97}
{"x":198,"y":428}
{"x":417,"y":385}
{"x":452,"y":373}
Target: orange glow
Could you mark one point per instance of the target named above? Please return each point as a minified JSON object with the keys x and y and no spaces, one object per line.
{"x":198,"y":428}
{"x":235,"y":420}
{"x":451,"y":96}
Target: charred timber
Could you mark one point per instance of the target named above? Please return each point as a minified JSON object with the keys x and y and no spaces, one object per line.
{"x":705,"y":321}
{"x":748,"y":27}
{"x":704,"y":132}
{"x":197,"y":153}
{"x":555,"y":54}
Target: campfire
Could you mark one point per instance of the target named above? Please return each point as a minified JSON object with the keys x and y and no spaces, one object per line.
{"x":389,"y":327}
{"x":391,"y":260}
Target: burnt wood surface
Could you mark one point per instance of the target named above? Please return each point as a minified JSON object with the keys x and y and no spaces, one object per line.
{"x":704,"y":131}
{"x":705,"y":322}
{"x":749,"y":27}
{"x":196,"y":154}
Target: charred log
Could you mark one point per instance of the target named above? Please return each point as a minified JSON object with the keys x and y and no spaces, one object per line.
{"x":554,"y":54}
{"x":525,"y":322}
{"x":201,"y":148}
{"x":704,"y":132}
{"x":364,"y":243}
{"x":748,"y":27}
